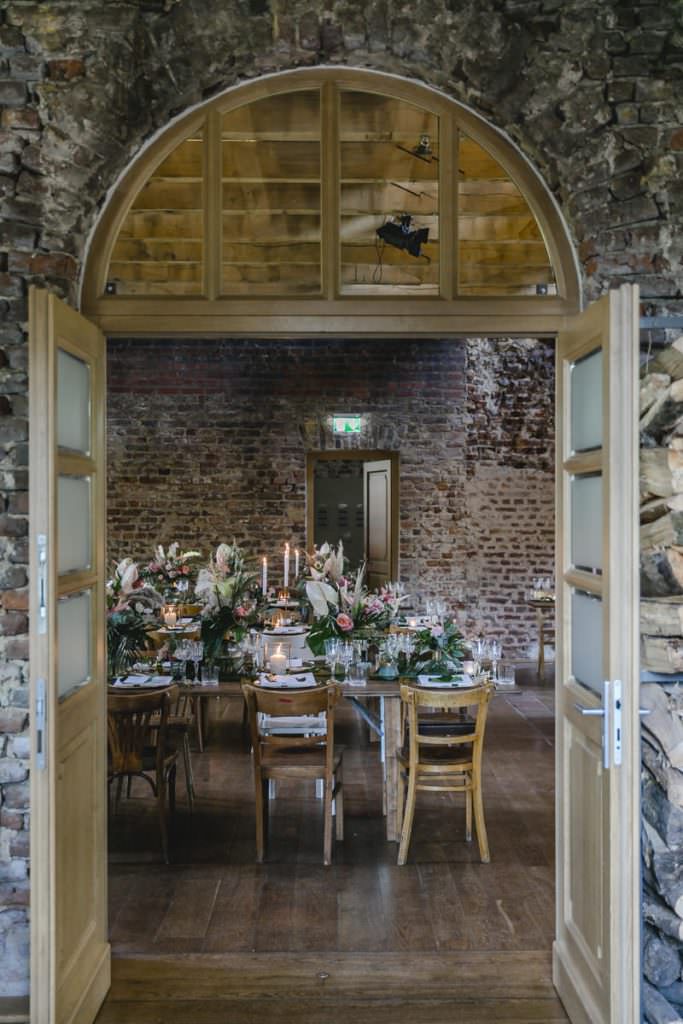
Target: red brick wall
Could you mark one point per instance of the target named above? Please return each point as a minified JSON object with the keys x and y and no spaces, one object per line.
{"x":207,"y":441}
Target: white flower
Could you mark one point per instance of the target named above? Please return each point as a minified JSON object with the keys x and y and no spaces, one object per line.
{"x":321,"y":595}
{"x":128,"y":576}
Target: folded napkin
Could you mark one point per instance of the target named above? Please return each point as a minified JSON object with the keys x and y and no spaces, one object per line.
{"x":302,"y":681}
{"x":138,"y":681}
{"x":435,"y":683}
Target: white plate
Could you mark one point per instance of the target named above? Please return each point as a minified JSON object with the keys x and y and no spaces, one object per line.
{"x":302,"y":681}
{"x":284,"y":631}
{"x":464,"y":682}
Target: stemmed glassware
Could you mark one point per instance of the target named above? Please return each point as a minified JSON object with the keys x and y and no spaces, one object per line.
{"x":331,"y":646}
{"x":196,"y":654}
{"x":495,"y":651}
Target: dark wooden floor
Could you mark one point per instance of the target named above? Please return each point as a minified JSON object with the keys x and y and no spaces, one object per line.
{"x":457,"y":913}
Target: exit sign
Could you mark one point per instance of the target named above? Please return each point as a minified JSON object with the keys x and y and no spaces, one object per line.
{"x":346,"y":424}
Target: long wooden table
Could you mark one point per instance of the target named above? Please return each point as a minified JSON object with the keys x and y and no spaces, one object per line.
{"x":387,"y":725}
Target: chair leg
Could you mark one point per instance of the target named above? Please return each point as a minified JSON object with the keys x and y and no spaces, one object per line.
{"x":408,"y":818}
{"x":468,"y":815}
{"x":171,"y":789}
{"x":261,"y":813}
{"x":118,"y":792}
{"x":482,"y":837}
{"x":339,"y":805}
{"x":327,"y":840}
{"x":400,"y":796}
{"x":199,"y":719}
{"x":189,"y":774}
{"x":161,"y":808}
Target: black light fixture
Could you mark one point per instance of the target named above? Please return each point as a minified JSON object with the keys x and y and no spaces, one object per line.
{"x":399,"y":234}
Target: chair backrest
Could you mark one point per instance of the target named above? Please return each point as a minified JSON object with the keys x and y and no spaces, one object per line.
{"x":415,"y":698}
{"x":285,"y":703}
{"x":136,"y":721}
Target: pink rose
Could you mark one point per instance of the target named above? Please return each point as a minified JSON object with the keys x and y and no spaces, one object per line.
{"x":240,"y":611}
{"x":437,"y":631}
{"x":345,"y":622}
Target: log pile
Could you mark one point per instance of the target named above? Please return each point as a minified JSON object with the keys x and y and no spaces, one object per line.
{"x":661,"y":621}
{"x":661,"y":511}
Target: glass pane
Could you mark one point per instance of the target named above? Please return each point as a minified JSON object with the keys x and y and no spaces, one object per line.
{"x":586,"y":402}
{"x":586,"y":496}
{"x":73,"y":641}
{"x":159,"y":247}
{"x":73,"y":403}
{"x":586,"y":632}
{"x":500,"y":247}
{"x":73,"y":523}
{"x":390,"y":183}
{"x":271,"y":196}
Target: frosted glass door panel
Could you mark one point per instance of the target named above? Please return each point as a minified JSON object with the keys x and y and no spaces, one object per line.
{"x":73,"y":403}
{"x":73,"y":641}
{"x":586,"y":632}
{"x":586,"y":495}
{"x":73,"y":524}
{"x":586,"y":403}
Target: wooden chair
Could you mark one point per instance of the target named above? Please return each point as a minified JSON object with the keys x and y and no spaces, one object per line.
{"x":181,"y":721}
{"x":279,"y":755}
{"x":137,"y":729}
{"x":441,"y":752}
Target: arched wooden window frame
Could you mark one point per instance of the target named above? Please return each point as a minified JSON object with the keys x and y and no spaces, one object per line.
{"x":332,"y":313}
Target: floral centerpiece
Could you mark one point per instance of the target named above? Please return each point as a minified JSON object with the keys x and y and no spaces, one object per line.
{"x":224,"y":589}
{"x":132,"y":607}
{"x":342,"y":605}
{"x":170,"y":567}
{"x":437,"y":651}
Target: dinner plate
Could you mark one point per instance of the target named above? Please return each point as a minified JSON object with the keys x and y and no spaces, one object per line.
{"x":285,"y":631}
{"x":302,"y":681}
{"x":437,"y":683}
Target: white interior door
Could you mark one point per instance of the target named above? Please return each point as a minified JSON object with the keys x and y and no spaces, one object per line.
{"x":70,"y":956}
{"x":597,"y":946}
{"x":377,"y":500}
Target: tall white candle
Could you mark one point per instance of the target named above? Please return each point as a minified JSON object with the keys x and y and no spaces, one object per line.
{"x":296,"y":563}
{"x":264,"y":576}
{"x":278,"y":661}
{"x":286,"y":565}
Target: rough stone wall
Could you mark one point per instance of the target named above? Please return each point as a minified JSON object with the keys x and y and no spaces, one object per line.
{"x":591,"y":93}
{"x":207,"y":441}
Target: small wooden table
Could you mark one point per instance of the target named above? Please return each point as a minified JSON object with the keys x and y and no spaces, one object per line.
{"x":542,"y":608}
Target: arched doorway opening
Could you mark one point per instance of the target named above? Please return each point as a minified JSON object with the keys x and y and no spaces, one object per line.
{"x":172,"y":254}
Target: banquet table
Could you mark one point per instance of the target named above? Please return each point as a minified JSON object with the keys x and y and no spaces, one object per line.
{"x":387,"y":724}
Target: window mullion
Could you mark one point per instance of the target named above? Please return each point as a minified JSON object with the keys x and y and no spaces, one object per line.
{"x":329,"y":190}
{"x":213,"y":205}
{"x":448,"y":165}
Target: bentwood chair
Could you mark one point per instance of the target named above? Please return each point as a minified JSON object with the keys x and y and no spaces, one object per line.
{"x":138,"y":741}
{"x":297,"y":754}
{"x":442,"y":752}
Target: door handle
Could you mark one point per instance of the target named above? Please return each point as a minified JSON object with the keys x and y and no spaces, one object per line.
{"x":610,"y":712}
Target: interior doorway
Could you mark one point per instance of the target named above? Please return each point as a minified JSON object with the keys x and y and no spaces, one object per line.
{"x":353,"y":496}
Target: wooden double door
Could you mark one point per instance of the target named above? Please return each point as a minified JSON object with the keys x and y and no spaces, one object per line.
{"x":596,"y":951}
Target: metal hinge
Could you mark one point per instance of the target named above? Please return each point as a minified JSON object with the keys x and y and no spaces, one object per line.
{"x":42,"y":582}
{"x":41,"y":724}
{"x":610,"y":712}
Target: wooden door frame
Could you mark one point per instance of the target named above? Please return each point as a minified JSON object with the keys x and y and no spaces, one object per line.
{"x":358,"y":455}
{"x":46,"y":461}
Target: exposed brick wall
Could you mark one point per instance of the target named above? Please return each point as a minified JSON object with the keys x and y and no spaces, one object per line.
{"x":208,"y":441}
{"x":591,"y":93}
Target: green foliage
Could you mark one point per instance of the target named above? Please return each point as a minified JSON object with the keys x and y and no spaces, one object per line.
{"x":438,"y":651}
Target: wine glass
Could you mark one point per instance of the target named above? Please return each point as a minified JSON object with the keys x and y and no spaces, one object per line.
{"x":331,"y":646}
{"x":197,"y":653}
{"x":495,"y":651}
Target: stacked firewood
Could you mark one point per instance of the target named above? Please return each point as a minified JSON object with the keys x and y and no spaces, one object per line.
{"x":661,"y":559}
{"x":661,"y":510}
